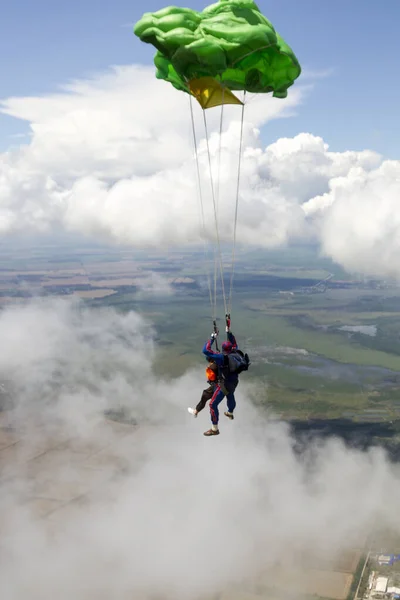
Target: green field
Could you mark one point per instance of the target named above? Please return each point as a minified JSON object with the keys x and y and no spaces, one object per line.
{"x":304,"y":364}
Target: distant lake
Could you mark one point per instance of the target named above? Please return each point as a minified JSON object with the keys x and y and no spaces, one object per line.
{"x":365,"y":329}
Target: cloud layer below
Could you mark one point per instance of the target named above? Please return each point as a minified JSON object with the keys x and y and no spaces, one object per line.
{"x":159,"y":510}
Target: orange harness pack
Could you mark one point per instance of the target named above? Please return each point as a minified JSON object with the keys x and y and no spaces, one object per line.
{"x":211,"y":374}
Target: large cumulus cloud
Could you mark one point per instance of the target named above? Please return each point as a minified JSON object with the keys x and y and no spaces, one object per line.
{"x":113,"y":157}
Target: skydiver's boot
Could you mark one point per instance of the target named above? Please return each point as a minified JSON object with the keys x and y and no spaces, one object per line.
{"x":229,"y":415}
{"x":192,"y":411}
{"x":213,"y":431}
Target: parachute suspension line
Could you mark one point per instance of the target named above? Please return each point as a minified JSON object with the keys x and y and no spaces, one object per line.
{"x":221,"y":120}
{"x":200,"y":194}
{"x":236,"y":209}
{"x":217,"y":193}
{"x":215,"y":212}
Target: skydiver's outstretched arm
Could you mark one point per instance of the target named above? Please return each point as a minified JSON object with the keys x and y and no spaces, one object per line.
{"x":232,"y":340}
{"x":218,"y":357}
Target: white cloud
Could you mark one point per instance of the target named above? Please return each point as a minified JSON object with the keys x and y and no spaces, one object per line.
{"x":112,"y":157}
{"x":111,"y":126}
{"x":158,"y":499}
{"x":154,"y":284}
{"x":121,"y":123}
{"x":63,"y":346}
{"x":360,"y":219}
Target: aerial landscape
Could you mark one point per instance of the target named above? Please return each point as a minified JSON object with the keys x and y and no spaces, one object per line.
{"x":180,"y":183}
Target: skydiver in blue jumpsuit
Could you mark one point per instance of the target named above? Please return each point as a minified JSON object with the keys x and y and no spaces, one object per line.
{"x":224,"y":387}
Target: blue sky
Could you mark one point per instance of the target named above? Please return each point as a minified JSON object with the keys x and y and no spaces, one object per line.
{"x":46,"y":43}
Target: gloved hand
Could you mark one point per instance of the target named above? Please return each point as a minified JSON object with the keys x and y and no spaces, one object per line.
{"x":227,"y":329}
{"x":214,"y":335}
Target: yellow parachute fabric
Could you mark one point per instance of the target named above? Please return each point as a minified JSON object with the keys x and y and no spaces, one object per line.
{"x":209,"y":93}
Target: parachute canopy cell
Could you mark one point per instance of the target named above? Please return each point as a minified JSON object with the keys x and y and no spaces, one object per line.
{"x":228,"y":46}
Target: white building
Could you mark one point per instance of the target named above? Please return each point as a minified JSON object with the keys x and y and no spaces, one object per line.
{"x":381,"y":584}
{"x":393,"y":590}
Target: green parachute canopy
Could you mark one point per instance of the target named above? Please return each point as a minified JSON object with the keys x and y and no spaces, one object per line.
{"x":228,"y":46}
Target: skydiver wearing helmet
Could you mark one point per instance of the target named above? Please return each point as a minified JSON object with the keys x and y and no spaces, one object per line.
{"x":228,"y":378}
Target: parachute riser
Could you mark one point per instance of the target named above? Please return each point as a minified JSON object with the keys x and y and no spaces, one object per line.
{"x":228,"y":324}
{"x":216,"y":331}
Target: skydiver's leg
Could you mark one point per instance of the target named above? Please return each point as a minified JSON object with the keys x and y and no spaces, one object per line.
{"x":205,"y":397}
{"x":231,"y":405}
{"x":217,"y":397}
